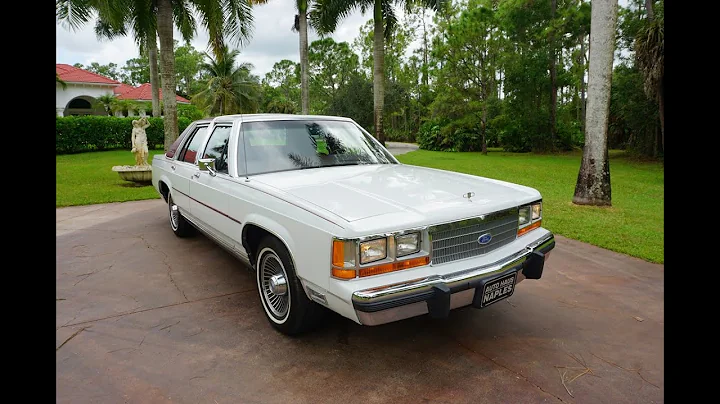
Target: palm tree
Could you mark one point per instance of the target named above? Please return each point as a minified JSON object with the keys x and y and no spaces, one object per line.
{"x":230,"y":88}
{"x":327,"y":13}
{"x":593,"y":183}
{"x":223,"y":19}
{"x":650,"y":56}
{"x":107,"y":101}
{"x":300,"y":26}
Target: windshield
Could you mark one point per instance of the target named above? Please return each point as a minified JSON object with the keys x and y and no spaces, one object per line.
{"x":272,"y":146}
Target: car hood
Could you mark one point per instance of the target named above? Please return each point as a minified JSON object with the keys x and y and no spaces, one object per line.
{"x":359,"y":192}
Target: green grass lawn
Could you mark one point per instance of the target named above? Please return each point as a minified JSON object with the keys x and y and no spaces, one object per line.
{"x":87,"y":178}
{"x":633,"y":225}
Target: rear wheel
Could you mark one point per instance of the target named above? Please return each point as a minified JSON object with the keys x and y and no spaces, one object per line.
{"x":286,"y":306}
{"x":178,"y":224}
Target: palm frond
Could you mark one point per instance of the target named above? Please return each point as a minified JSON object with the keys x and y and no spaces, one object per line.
{"x":650,"y":55}
{"x":238,"y":20}
{"x":389,"y":18}
{"x":73,"y":13}
{"x":326,"y":14}
{"x":184,"y":20}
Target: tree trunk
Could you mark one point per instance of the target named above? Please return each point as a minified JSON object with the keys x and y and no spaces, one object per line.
{"x":661,"y":104}
{"x":553,"y":84}
{"x":582,"y":85}
{"x":483,"y":121}
{"x":649,"y":9}
{"x":154,"y":78}
{"x":425,"y":78}
{"x":593,"y":183}
{"x":304,"y":88}
{"x":379,"y":71}
{"x":167,"y":70}
{"x":660,"y":93}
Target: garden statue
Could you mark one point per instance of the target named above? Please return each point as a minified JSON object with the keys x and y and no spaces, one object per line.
{"x":139,"y":141}
{"x":141,"y":172}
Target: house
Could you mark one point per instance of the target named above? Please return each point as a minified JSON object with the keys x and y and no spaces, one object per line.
{"x":83,"y":88}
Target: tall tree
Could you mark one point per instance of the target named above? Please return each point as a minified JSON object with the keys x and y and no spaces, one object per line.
{"x":286,"y":78}
{"x":301,"y":27}
{"x":136,"y":71}
{"x":187,"y":65}
{"x":231,"y":88}
{"x":327,"y":14}
{"x":331,"y":66}
{"x":593,"y":183}
{"x":109,"y":70}
{"x":650,"y":55}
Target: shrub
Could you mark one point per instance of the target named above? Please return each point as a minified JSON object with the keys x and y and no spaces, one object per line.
{"x":189,"y":111}
{"x":74,"y":134}
{"x":399,"y":135}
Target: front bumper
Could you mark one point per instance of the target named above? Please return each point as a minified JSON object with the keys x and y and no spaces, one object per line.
{"x":438,"y":294}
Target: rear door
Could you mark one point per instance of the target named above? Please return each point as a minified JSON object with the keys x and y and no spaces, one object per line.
{"x":183,"y":168}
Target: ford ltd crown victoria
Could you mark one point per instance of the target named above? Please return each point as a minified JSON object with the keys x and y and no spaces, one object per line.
{"x":327,"y":218}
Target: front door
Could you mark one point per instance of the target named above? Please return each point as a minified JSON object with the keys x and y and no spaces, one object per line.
{"x":212,"y":195}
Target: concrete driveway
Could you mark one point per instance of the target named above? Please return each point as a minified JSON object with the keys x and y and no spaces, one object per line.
{"x":145,"y":317}
{"x":397,"y":148}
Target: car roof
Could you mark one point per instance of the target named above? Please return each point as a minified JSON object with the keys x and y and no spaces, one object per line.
{"x":273,"y":117}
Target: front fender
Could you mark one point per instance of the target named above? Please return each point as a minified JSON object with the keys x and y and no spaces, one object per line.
{"x":274,"y":228}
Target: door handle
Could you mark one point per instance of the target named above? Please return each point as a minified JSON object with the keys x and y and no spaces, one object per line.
{"x":196,"y":175}
{"x":172,"y":167}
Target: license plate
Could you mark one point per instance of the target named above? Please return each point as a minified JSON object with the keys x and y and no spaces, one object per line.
{"x":498,"y":289}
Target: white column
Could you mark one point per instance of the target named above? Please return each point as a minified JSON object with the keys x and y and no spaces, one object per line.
{"x":60,"y":111}
{"x":131,"y":112}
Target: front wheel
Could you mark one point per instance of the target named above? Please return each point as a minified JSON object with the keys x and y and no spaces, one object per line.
{"x":286,"y":306}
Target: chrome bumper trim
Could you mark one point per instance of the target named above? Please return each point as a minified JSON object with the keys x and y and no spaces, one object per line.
{"x":456,"y":281}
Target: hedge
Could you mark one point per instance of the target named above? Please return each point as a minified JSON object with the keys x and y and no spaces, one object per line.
{"x":74,"y":134}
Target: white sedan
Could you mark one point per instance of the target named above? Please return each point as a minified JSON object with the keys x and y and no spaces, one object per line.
{"x":329,"y":219}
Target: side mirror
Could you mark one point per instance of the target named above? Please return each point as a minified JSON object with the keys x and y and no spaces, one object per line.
{"x":207,"y":165}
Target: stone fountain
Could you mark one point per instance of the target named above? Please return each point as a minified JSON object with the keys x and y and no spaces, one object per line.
{"x":141,"y":172}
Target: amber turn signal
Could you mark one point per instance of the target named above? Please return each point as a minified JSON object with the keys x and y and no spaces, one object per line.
{"x":394,"y":266}
{"x":528,"y":228}
{"x":338,"y":254}
{"x":344,"y":273}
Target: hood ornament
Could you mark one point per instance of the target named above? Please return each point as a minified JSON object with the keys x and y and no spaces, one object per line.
{"x":469,"y":195}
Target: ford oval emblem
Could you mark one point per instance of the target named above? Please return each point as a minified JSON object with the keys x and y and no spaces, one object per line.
{"x":484,"y":239}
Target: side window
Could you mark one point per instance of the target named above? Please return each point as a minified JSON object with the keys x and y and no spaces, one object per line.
{"x":173,"y":148}
{"x":190,"y":151}
{"x":217,"y":148}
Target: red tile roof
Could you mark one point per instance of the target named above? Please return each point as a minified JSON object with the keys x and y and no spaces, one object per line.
{"x":144,"y":93}
{"x":71,"y":74}
{"x":122,"y":89}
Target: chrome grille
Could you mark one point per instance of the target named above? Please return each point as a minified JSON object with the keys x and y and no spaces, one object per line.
{"x":458,"y":240}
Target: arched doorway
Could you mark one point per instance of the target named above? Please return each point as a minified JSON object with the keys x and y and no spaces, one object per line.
{"x":84,"y":105}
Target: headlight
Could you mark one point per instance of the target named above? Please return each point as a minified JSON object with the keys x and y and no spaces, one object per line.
{"x":373,"y":250}
{"x":407,"y":244}
{"x":529,"y":217}
{"x":536,"y":211}
{"x":379,"y":254}
{"x":524,"y":216}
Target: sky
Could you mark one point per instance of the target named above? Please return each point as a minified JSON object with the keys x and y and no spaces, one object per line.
{"x":271,"y":42}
